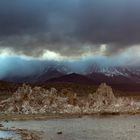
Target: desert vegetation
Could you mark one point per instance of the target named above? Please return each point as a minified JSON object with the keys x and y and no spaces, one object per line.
{"x":38,"y":100}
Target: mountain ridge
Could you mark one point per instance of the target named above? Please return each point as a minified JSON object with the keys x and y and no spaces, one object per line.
{"x":94,"y":74}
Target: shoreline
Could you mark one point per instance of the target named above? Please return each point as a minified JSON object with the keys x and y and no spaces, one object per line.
{"x":23,"y":117}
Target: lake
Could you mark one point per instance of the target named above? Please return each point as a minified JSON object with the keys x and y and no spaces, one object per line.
{"x":85,"y":128}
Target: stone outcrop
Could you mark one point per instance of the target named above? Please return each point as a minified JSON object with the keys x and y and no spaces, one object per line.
{"x":103,"y":96}
{"x":104,"y":100}
{"x":27,"y":135}
{"x":27,"y":100}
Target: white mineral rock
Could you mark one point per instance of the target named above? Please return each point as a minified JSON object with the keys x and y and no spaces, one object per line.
{"x":27,"y":100}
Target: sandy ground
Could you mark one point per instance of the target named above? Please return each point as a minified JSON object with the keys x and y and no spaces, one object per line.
{"x":85,"y":128}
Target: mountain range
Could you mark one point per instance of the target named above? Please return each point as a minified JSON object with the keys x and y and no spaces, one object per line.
{"x":95,"y":74}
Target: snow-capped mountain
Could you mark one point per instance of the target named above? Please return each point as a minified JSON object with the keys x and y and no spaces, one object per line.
{"x":42,"y":75}
{"x":114,"y":73}
{"x":95,"y":73}
{"x":111,"y":71}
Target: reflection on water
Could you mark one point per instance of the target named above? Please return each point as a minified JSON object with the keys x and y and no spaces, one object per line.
{"x":7,"y":134}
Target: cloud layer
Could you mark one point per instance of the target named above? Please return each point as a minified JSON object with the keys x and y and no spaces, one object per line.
{"x":70,"y":28}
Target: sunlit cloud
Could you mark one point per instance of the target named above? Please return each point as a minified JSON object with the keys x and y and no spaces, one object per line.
{"x":50,"y":55}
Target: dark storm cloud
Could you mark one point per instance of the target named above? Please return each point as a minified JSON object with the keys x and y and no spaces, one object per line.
{"x":69,"y":27}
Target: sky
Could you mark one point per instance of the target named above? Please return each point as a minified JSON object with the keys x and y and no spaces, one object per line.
{"x":68,"y":31}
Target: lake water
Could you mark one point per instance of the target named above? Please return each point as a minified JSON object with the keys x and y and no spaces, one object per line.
{"x":7,"y":134}
{"x":86,"y":128}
